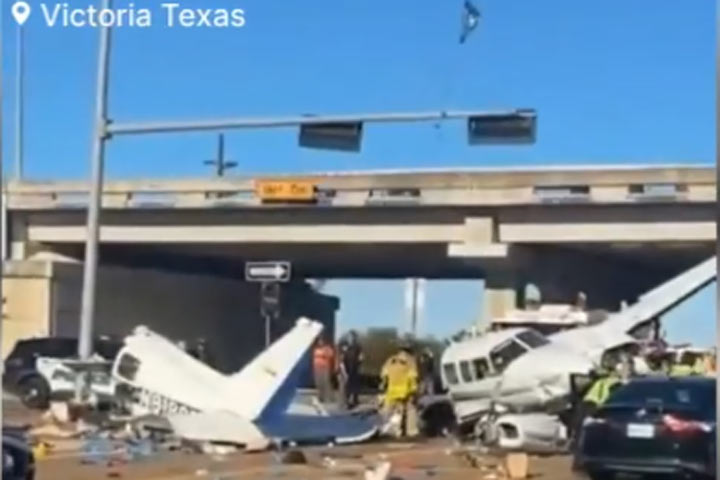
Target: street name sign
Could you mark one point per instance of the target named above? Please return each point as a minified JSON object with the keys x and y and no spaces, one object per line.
{"x":267,"y":271}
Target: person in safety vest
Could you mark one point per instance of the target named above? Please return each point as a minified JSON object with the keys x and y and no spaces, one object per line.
{"x":399,"y":377}
{"x":606,"y":379}
{"x":602,"y":388}
{"x":323,"y":369}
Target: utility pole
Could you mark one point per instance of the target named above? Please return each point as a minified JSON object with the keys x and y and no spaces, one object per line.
{"x":19,"y":103}
{"x":414,"y":303}
{"x":220,"y":163}
{"x":97,"y":160}
{"x":3,"y":200}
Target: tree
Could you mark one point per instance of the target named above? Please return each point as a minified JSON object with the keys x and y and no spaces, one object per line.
{"x":379,"y":344}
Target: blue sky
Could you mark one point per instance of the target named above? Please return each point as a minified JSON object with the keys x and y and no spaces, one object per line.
{"x":612,"y":81}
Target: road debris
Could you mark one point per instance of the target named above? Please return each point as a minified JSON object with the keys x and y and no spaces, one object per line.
{"x":516,"y":465}
{"x":293,"y":457}
{"x":379,"y":472}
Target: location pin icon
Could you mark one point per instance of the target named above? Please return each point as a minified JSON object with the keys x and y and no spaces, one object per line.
{"x":21,"y":12}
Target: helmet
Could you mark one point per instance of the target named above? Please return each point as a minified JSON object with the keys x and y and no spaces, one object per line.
{"x":608,"y":361}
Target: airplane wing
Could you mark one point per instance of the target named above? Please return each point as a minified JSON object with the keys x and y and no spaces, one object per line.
{"x":615,"y":331}
{"x":219,"y":427}
{"x":660,"y":300}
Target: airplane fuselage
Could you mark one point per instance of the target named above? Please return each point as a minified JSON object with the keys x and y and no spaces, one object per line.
{"x":511,"y":369}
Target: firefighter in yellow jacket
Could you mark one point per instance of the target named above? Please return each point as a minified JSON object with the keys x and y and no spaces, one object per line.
{"x":400,"y":382}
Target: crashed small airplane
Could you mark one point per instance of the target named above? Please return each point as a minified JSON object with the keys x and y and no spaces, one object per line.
{"x":249,"y":408}
{"x":513,"y":384}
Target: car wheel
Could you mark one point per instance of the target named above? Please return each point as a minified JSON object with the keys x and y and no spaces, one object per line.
{"x":35,"y":393}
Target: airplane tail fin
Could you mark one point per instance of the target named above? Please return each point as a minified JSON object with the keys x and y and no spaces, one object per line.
{"x":267,"y":385}
{"x":663,"y":298}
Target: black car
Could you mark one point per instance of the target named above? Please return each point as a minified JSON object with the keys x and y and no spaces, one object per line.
{"x":18,"y":460}
{"x":653,"y":426}
{"x":21,"y":376}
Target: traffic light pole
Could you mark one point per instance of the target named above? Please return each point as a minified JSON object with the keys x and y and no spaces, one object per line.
{"x":97,"y":160}
{"x":300,"y":120}
{"x":268,"y":325}
{"x":269,"y":307}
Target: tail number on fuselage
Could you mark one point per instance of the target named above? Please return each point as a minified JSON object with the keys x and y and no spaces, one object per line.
{"x":158,"y":404}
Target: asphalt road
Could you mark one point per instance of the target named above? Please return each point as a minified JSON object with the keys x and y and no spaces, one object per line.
{"x":431,"y":459}
{"x":410,"y":462}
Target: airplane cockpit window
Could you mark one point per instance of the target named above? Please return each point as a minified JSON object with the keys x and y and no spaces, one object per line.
{"x":128,"y":367}
{"x":450,"y":374}
{"x":502,"y":355}
{"x":482,"y":368}
{"x":532,"y":339}
{"x":465,"y":372}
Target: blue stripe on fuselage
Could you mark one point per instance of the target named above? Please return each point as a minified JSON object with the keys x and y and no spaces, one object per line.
{"x":319,"y":429}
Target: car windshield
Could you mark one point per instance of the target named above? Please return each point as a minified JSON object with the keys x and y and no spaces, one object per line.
{"x":508,"y":351}
{"x":532,"y":339}
{"x":687,"y":395}
{"x":47,"y":347}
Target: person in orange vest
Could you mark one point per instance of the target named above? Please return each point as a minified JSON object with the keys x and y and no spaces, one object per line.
{"x":323,"y":368}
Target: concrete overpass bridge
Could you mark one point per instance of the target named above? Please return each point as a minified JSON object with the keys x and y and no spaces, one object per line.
{"x":610,"y":231}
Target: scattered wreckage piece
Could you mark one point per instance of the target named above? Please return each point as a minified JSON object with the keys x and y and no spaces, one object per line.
{"x":514,"y":465}
{"x":60,"y":422}
{"x":379,"y":472}
{"x":219,"y":427}
{"x":531,"y":432}
{"x":252,"y":408}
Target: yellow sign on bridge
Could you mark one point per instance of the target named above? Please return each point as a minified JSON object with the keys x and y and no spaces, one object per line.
{"x":285,"y":190}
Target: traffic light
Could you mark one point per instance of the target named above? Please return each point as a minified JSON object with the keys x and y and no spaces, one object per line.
{"x":270,"y":299}
{"x":344,"y":136}
{"x":503,"y":128}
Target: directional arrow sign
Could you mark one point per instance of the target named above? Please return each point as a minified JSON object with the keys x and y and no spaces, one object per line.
{"x":267,"y":271}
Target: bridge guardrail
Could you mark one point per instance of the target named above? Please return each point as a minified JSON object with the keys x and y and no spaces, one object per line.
{"x":437,"y":189}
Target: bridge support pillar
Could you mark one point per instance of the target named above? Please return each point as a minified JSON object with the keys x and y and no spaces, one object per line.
{"x":19,"y":244}
{"x":499,"y":296}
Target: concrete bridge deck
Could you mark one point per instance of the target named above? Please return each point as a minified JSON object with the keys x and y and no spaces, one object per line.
{"x":586,"y":227}
{"x":479,"y":186}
